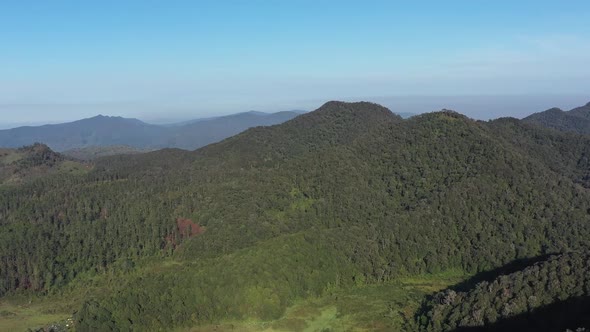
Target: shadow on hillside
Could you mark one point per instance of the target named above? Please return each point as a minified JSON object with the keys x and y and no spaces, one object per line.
{"x":514,"y":266}
{"x":559,"y":316}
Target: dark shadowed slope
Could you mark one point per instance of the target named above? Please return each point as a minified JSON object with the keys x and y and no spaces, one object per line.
{"x":577,"y":120}
{"x":550,"y":295}
{"x":117,"y":131}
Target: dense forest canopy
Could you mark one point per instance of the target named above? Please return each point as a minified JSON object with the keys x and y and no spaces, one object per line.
{"x":349,"y":194}
{"x":576,"y":120}
{"x":551,"y":294}
{"x":95,"y":152}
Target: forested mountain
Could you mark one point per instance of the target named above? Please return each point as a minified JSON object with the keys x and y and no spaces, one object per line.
{"x":345,"y":196}
{"x":34,"y":161}
{"x":576,"y":120}
{"x":113,"y":131}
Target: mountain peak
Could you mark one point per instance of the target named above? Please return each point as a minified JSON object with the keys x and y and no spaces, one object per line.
{"x":101,"y":116}
{"x":351,"y":115}
{"x":442,"y":115}
{"x":576,"y":120}
{"x":341,"y":108}
{"x":37,"y":147}
{"x":554,"y":110}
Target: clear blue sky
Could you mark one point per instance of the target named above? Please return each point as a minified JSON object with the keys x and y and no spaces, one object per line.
{"x":63,"y":60}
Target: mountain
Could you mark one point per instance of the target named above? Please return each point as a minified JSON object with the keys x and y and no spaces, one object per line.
{"x":99,"y":130}
{"x":351,"y":210}
{"x":112,"y":131}
{"x":200,"y":133}
{"x":576,"y":120}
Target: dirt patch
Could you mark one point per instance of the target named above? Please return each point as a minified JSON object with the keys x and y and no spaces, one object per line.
{"x":188,"y":228}
{"x":185,"y":228}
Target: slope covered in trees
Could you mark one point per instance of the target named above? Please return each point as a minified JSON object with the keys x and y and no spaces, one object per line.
{"x":576,"y":120}
{"x":551,"y":295}
{"x":94,"y":152}
{"x":34,"y":161}
{"x":346,"y":195}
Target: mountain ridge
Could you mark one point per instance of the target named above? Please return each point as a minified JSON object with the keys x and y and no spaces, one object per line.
{"x":576,"y":120}
{"x":103,"y":130}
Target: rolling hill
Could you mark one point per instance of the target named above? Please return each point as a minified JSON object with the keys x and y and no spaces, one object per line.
{"x":117,"y":131}
{"x":341,"y":199}
{"x":35,"y":161}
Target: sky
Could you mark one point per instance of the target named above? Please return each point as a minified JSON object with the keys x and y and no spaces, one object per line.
{"x":172,"y":60}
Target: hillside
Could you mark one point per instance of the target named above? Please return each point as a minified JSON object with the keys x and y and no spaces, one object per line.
{"x":94,"y":152}
{"x":345,"y":197}
{"x":576,"y":120}
{"x":553,"y":295}
{"x":35,"y":161}
{"x":116,"y":131}
{"x":198,"y":134}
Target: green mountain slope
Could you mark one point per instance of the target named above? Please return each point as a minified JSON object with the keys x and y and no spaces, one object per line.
{"x":577,"y":120}
{"x":35,"y":161}
{"x":345,"y":196}
{"x":519,"y":300}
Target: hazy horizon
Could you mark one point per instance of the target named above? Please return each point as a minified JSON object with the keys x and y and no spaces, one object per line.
{"x":477,"y":107}
{"x":174,"y":60}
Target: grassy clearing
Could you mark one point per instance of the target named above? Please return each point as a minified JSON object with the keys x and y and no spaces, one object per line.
{"x":9,"y":157}
{"x":382,"y":307}
{"x":72,"y":167}
{"x":25,"y":311}
{"x":18,"y":316}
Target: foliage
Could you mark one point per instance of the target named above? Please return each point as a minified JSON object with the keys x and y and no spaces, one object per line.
{"x":345,"y":196}
{"x":35,"y":161}
{"x":576,"y":120}
{"x":556,"y":280}
{"x":94,"y":152}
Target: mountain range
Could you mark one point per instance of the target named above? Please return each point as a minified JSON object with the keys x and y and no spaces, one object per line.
{"x":117,"y":131}
{"x":345,"y":218}
{"x":108,"y":135}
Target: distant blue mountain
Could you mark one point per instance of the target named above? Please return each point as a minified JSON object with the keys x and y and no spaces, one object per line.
{"x":109,"y":130}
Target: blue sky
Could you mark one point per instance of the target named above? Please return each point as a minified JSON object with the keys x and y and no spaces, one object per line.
{"x":63,"y":60}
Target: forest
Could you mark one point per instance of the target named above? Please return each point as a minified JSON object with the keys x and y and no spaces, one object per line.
{"x":344,"y":197}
